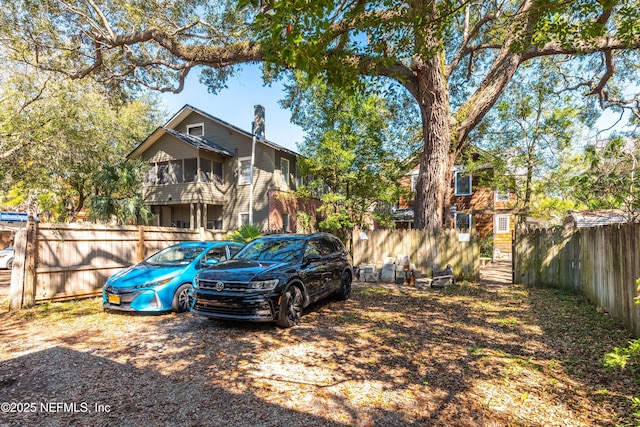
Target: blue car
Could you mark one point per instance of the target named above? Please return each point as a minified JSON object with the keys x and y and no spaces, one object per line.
{"x":163,"y":281}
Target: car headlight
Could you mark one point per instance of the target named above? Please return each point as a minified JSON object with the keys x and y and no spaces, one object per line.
{"x":152,"y":284}
{"x":263,"y":285}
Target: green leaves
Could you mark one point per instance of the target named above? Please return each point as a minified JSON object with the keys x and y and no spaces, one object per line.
{"x":570,"y":23}
{"x":55,"y":134}
{"x":245,"y":234}
{"x":529,"y":135}
{"x":610,"y":178}
{"x":118,"y":194}
{"x":351,"y":149}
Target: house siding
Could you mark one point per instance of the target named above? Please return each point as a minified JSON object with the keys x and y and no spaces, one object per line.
{"x":481,"y":204}
{"x":223,"y":201}
{"x":169,"y":148}
{"x":191,"y":192}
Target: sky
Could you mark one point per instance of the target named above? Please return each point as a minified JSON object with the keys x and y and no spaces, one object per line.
{"x":235,"y":104}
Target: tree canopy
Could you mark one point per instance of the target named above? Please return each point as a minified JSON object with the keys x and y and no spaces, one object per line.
{"x":356,"y":149}
{"x":55,"y":134}
{"x":455,"y":58}
{"x":608,"y":176}
{"x":531,"y":130}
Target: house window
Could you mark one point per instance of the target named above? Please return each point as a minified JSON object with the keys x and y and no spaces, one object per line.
{"x":163,"y":173}
{"x":244,"y":171}
{"x":196,"y":129}
{"x":463,"y":222}
{"x":243,"y":218}
{"x":502,"y":195}
{"x":190,"y":170}
{"x":151,"y":175}
{"x":502,"y":224}
{"x":175,"y":172}
{"x":285,"y":223}
{"x":414,"y":182}
{"x":463,"y":184}
{"x":284,"y":172}
{"x":210,"y":171}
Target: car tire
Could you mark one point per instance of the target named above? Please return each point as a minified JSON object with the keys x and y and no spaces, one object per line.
{"x":10,"y":264}
{"x":345,"y":286}
{"x":182,"y":298}
{"x":291,"y":308}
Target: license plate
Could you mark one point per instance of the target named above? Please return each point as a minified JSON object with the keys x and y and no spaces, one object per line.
{"x":113,"y":299}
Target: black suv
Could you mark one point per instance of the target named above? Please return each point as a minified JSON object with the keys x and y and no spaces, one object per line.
{"x":273,"y":278}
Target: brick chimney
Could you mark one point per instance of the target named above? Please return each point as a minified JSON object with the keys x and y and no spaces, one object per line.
{"x":258,"y":122}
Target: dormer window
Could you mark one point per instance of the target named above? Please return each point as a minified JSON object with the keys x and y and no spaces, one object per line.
{"x":196,"y":129}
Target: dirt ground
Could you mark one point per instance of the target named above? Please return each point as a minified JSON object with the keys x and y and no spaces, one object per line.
{"x":476,"y":354}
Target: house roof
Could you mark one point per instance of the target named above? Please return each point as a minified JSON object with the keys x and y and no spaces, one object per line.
{"x":595,"y":218}
{"x":198,"y":142}
{"x":187,"y":109}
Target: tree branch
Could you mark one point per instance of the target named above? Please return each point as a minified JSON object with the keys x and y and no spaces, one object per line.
{"x":464,"y":48}
{"x":503,"y":68}
{"x":610,"y":68}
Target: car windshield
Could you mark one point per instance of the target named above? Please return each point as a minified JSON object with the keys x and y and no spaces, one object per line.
{"x":272,"y":250}
{"x":175,"y":255}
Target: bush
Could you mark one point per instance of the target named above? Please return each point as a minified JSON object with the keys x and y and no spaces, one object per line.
{"x":245,"y":234}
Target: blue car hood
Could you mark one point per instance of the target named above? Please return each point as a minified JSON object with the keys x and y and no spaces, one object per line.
{"x":142,"y":273}
{"x":239,"y":270}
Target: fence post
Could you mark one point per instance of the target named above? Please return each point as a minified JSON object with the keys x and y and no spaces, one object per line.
{"x":16,"y":289}
{"x":23,"y":274}
{"x":140,"y":255}
{"x":31,"y":254}
{"x":514,"y":254}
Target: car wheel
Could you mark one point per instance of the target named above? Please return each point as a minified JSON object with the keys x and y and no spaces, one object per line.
{"x":345,"y":286}
{"x":291,"y":308}
{"x":182,"y":299}
{"x":10,"y":264}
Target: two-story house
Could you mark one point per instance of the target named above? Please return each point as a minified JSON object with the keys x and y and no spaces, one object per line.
{"x":473,"y":205}
{"x":205,"y":172}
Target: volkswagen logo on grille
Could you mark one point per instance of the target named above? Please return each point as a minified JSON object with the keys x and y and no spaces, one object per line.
{"x":219,"y":286}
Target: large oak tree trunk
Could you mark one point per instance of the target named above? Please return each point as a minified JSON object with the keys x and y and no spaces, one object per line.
{"x":434,"y":165}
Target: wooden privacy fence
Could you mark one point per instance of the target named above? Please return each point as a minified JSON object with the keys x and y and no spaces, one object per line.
{"x":428,"y":250}
{"x":58,"y":261}
{"x":601,"y":262}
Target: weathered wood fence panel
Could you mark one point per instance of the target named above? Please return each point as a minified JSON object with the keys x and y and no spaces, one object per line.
{"x":428,"y":250}
{"x":75,"y":260}
{"x":601,"y":262}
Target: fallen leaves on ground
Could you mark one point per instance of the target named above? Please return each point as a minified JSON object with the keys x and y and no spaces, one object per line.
{"x":467,"y":355}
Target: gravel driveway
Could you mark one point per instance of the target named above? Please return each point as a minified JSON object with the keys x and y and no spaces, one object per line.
{"x":470,"y":355}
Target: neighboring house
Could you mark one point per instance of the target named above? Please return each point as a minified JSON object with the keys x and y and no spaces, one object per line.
{"x":472,"y":206}
{"x":200,"y":175}
{"x":596,"y":218}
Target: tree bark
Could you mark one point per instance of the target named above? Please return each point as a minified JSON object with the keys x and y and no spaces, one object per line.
{"x":433,"y":99}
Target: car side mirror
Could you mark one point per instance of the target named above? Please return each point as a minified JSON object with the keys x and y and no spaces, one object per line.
{"x":211,"y":261}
